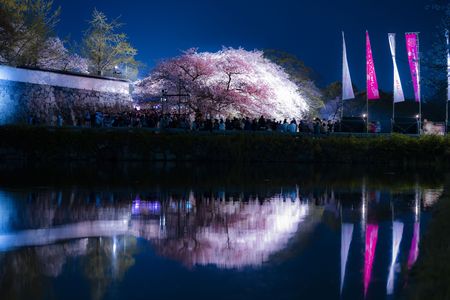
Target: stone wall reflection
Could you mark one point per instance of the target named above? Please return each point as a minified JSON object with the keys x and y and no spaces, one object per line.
{"x":229,"y":231}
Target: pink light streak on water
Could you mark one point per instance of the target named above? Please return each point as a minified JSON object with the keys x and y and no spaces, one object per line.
{"x":371,"y":244}
{"x":414,"y":251}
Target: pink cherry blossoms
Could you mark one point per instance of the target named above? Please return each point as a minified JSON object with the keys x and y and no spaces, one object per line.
{"x":231,"y":82}
{"x":55,"y":56}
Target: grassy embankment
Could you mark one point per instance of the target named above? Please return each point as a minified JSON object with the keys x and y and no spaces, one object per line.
{"x":67,"y":144}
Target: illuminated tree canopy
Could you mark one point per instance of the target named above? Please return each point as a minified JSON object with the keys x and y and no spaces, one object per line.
{"x":55,"y":56}
{"x":105,"y":48}
{"x":231,"y":82}
{"x":25,"y":27}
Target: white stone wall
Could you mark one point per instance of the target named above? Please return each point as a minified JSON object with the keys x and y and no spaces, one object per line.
{"x":45,"y":95}
{"x":64,"y":80}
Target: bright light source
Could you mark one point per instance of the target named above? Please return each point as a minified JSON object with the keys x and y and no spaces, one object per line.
{"x":417,"y":116}
{"x":114,"y":248}
{"x":364,"y":116}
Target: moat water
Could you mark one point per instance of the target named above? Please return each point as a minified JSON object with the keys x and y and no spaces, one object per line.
{"x":211,"y":231}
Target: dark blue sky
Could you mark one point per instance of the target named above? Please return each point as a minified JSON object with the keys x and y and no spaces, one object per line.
{"x":310,"y":29}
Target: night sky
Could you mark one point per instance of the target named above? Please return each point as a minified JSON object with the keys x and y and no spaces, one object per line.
{"x":309,"y":29}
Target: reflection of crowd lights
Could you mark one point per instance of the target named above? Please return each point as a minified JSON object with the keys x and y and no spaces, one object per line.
{"x":417,"y":207}
{"x":114,"y":246}
{"x":363,"y":213}
{"x":431,"y":196}
{"x":145,"y":207}
{"x":6,"y":211}
{"x":188,"y":206}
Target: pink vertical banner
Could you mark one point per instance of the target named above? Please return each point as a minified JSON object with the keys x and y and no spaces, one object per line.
{"x":369,"y":254}
{"x":372,"y":84}
{"x":412,"y":47}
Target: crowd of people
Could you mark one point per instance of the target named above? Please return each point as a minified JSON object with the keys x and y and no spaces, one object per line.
{"x":152,"y":119}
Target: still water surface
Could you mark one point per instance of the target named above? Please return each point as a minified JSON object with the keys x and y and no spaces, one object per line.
{"x":169,"y":232}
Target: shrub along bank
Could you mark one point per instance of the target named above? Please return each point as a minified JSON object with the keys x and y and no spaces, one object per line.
{"x":68,"y":144}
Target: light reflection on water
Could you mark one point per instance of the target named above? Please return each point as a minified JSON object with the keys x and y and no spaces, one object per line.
{"x":102,"y":235}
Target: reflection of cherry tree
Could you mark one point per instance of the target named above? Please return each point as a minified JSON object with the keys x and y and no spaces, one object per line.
{"x":196,"y":229}
{"x":231,"y":234}
{"x":231,"y":81}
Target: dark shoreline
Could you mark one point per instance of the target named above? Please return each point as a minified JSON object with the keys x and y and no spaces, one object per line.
{"x":40,"y":144}
{"x":431,"y":275}
{"x":212,"y":174}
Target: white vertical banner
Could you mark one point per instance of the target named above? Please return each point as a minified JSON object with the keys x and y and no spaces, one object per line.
{"x":398,"y":90}
{"x":448,"y":65}
{"x":347,"y":89}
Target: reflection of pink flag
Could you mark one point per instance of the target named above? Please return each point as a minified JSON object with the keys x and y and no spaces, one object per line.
{"x":372,"y":84}
{"x":414,"y":251}
{"x":371,"y":244}
{"x":412,"y":47}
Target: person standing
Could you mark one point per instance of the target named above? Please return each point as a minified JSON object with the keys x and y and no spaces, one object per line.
{"x":292,"y":128}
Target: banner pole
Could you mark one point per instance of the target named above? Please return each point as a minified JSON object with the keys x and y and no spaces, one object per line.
{"x":367,"y":113}
{"x":446,"y":116}
{"x":420,"y":117}
{"x":367,"y":91}
{"x":448,"y":80}
{"x":393,"y":116}
{"x":420,"y":90}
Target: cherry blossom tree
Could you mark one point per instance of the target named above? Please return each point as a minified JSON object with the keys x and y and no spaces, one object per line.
{"x":229,"y":82}
{"x":55,"y":56}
